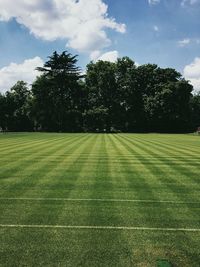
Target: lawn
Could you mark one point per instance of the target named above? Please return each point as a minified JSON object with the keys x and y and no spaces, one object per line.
{"x":99,"y":200}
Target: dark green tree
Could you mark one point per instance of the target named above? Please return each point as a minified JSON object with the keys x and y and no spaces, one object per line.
{"x":3,"y":112}
{"x":57,"y":94}
{"x":195,"y":111}
{"x":167,"y":109}
{"x":102,"y":93}
{"x":15,"y":108}
{"x":129,"y":113}
{"x":111,"y":97}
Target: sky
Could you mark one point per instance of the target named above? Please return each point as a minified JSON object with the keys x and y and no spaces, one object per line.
{"x":164,"y":32}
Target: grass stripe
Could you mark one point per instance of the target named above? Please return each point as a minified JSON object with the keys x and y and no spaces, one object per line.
{"x":102,"y":200}
{"x":101,"y":227}
{"x":114,"y":195}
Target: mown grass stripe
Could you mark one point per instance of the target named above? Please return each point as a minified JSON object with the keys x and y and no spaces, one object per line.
{"x":187,"y":151}
{"x":26,"y":167}
{"x":102,"y":200}
{"x":54,"y":183}
{"x":155,"y":152}
{"x":28,"y":144}
{"x":136,"y":149}
{"x":101,"y":227}
{"x":98,"y":181}
{"x":35,"y":151}
{"x":160,"y":174}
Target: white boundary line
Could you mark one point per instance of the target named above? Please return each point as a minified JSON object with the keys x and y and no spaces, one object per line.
{"x":102,"y":200}
{"x":101,"y":227}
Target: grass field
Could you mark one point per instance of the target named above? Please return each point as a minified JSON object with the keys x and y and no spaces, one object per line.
{"x":99,"y":200}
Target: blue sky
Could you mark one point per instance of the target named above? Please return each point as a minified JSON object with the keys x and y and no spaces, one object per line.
{"x":165,"y":32}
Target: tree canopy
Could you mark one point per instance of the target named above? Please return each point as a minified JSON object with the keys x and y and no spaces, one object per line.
{"x":110,"y":97}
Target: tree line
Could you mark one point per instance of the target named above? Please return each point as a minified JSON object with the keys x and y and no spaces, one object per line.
{"x":109,"y":97}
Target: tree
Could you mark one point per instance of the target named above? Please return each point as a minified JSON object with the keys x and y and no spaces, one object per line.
{"x":129,"y":111}
{"x":3,"y":120}
{"x":15,"y":108}
{"x":57,"y":93}
{"x":102,"y":93}
{"x":167,"y":110}
{"x":111,"y":97}
{"x":195,"y":112}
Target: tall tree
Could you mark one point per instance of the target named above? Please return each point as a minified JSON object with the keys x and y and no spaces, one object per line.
{"x":16,"y":108}
{"x":102,"y":92}
{"x":195,"y":111}
{"x":130,"y":102}
{"x":113,"y":96}
{"x":57,"y":93}
{"x":167,"y":109}
{"x":3,"y":112}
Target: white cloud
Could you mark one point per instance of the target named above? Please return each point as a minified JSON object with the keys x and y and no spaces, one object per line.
{"x":95,"y":54}
{"x":110,"y":56}
{"x":187,"y":41}
{"x":184,"y":42}
{"x":192,"y":72}
{"x":153,"y":2}
{"x":25,"y":71}
{"x":82,"y":23}
{"x":190,"y":2}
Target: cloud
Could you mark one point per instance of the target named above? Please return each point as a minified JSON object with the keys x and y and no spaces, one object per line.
{"x":187,"y":41}
{"x":25,"y":71}
{"x":110,"y":56}
{"x":192,"y":72}
{"x":81,"y":23}
{"x":184,"y":42}
{"x":95,"y":54}
{"x":153,"y":2}
{"x":189,"y":2}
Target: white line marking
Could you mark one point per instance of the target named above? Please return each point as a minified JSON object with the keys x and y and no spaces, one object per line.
{"x":102,"y":200}
{"x":101,"y":227}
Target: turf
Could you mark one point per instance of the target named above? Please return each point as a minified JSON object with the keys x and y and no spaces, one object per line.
{"x":82,"y":180}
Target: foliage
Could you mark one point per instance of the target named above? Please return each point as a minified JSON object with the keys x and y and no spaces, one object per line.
{"x":14,"y":108}
{"x":110,"y":97}
{"x":195,"y":111}
{"x":56,"y":94}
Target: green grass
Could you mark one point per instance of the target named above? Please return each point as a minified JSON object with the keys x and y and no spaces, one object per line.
{"x":57,"y":179}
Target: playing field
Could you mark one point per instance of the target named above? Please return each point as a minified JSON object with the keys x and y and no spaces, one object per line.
{"x":99,"y":200}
